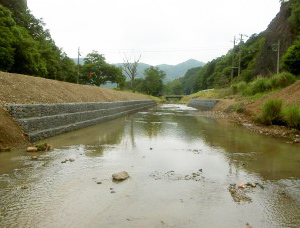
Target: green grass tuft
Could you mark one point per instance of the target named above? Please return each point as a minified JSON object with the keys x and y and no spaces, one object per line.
{"x":272,"y":113}
{"x":292,"y":116}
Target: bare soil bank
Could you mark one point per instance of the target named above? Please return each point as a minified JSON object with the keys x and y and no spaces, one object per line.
{"x":22,"y":89}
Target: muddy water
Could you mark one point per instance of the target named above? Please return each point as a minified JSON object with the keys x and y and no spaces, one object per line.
{"x":181,"y":166}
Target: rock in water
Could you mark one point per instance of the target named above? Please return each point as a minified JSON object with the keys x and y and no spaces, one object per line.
{"x":32,"y":149}
{"x":120,"y":176}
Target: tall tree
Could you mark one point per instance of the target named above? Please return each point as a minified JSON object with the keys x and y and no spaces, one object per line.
{"x":97,"y":72}
{"x":153,"y":82}
{"x":130,"y":69}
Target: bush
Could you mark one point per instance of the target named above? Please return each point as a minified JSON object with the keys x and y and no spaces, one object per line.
{"x":237,"y":107}
{"x":258,"y":86}
{"x":292,"y":116}
{"x":282,"y":80}
{"x":239,"y":87}
{"x":272,"y":112}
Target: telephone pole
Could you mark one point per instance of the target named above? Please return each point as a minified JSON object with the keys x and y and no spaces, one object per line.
{"x":232,"y":63}
{"x":240,"y":53}
{"x":276,"y":47}
{"x":78,"y":65}
{"x":278,"y":56}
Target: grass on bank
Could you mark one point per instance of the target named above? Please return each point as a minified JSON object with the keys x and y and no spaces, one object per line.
{"x":252,"y":91}
{"x":274,"y":113}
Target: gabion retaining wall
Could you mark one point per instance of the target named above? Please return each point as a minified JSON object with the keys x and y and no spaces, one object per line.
{"x":204,"y":105}
{"x":45,"y":120}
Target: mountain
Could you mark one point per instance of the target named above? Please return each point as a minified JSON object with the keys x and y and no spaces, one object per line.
{"x":179,"y":70}
{"x":172,"y":71}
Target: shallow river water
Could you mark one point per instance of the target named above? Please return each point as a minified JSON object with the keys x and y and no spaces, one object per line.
{"x":181,"y":167}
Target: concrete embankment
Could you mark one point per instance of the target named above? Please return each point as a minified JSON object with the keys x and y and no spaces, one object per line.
{"x":40,"y":121}
{"x":203,"y":105}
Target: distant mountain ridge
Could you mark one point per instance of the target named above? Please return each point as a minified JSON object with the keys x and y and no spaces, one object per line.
{"x":172,"y":71}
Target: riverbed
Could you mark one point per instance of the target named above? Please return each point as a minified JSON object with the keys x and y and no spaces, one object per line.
{"x":185,"y":170}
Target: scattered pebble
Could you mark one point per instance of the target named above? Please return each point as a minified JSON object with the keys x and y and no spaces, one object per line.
{"x":68,"y":160}
{"x":99,"y":182}
{"x":112,"y":192}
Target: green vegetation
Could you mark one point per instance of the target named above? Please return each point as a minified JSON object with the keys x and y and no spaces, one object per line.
{"x":292,"y":116}
{"x":152,"y":84}
{"x":291,"y":59}
{"x":27,"y":48}
{"x":261,"y":84}
{"x":271,"y":112}
{"x":236,"y":107}
{"x":96,"y":71}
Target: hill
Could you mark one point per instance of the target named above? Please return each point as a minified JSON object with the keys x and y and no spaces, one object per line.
{"x":258,"y":56}
{"x":172,"y":71}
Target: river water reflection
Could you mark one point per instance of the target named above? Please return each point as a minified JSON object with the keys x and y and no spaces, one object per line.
{"x":181,"y":166}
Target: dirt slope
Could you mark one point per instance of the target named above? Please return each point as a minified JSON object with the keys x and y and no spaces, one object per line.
{"x":290,"y":95}
{"x":21,"y":89}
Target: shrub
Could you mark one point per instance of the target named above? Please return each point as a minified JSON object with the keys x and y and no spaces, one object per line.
{"x":239,"y":87}
{"x":258,"y":86}
{"x":236,"y":107}
{"x":272,"y":112}
{"x":282,"y":80}
{"x":292,"y":116}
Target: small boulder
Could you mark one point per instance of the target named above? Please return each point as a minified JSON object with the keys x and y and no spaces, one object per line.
{"x":120,"y":176}
{"x":32,"y":149}
{"x":43,"y":147}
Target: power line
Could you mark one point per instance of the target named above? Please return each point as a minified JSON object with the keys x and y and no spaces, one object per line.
{"x":117,"y":51}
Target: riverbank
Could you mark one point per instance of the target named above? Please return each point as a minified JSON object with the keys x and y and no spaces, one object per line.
{"x":22,"y":89}
{"x":244,"y":110}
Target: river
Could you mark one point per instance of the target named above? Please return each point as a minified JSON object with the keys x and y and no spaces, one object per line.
{"x":181,"y":167}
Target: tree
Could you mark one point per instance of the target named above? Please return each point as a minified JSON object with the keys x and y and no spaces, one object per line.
{"x":7,"y":39}
{"x":291,"y":59}
{"x":97,"y":72}
{"x":153,"y":82}
{"x":130,"y":69}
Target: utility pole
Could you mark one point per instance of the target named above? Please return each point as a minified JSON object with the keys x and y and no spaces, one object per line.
{"x":278,"y":56}
{"x":276,"y":47}
{"x":232,"y":63}
{"x":240,"y":53}
{"x":78,"y":65}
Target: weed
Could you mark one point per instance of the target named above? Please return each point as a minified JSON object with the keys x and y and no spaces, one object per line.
{"x":282,"y":80}
{"x":272,"y":113}
{"x":292,"y":116}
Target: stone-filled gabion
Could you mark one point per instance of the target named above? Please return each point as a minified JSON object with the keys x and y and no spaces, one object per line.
{"x":45,"y":120}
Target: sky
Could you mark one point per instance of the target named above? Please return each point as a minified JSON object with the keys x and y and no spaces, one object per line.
{"x":160,"y":31}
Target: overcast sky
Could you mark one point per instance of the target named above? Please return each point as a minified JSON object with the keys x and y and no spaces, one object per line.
{"x":162,"y":31}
